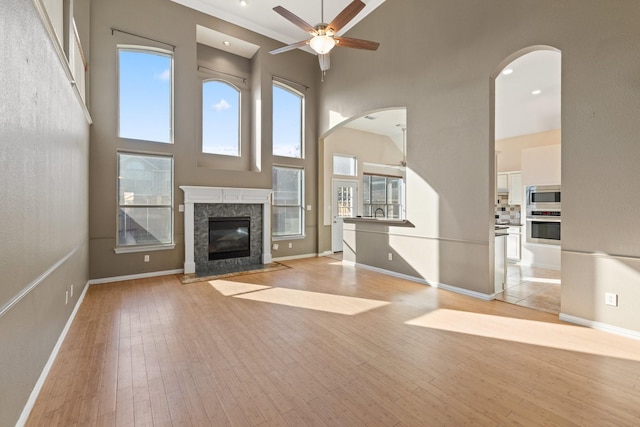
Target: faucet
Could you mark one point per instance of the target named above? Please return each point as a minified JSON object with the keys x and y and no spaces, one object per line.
{"x":375,"y":214}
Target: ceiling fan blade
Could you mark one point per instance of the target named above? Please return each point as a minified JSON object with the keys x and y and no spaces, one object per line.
{"x":356,"y":43}
{"x":295,"y":19}
{"x":347,"y":14}
{"x":289,"y":47}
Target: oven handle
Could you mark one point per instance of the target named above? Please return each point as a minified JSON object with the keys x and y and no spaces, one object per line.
{"x":543,"y":219}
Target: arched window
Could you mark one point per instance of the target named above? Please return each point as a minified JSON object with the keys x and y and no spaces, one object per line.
{"x":288,"y":122}
{"x":220,"y":118}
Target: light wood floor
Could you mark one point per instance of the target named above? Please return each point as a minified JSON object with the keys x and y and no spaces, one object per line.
{"x":323,"y":344}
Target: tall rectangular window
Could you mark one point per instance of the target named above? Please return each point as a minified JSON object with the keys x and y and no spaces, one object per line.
{"x":145,"y":199}
{"x":288,"y":122}
{"x":288,"y":202}
{"x":382,"y":196}
{"x":220,"y":118}
{"x":145,"y":94}
{"x":345,"y":165}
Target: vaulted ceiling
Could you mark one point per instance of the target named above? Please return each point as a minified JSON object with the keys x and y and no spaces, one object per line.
{"x":519,"y":110}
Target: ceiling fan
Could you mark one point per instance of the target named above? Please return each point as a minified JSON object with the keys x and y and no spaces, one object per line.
{"x":323,"y":36}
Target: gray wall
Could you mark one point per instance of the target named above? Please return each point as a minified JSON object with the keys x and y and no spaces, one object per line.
{"x":44,"y":146}
{"x":438,"y":58}
{"x":169,"y":22}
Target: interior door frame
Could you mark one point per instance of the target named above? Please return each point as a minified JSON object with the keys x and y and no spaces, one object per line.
{"x":334,"y":212}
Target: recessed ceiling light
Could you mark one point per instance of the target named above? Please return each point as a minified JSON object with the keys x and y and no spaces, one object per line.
{"x":243,"y":3}
{"x":536,"y":92}
{"x":507,"y":71}
{"x":226,"y":43}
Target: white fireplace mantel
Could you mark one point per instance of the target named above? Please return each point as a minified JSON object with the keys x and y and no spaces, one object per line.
{"x":193,"y":195}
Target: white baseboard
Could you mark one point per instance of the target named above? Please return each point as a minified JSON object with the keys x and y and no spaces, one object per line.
{"x":286,"y":258}
{"x":135,"y":276}
{"x":325,"y":253}
{"x":605,"y":327}
{"x":474,"y":294}
{"x":26,"y":411}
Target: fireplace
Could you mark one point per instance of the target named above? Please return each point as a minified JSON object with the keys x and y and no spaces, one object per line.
{"x":203,"y":203}
{"x":229,"y":237}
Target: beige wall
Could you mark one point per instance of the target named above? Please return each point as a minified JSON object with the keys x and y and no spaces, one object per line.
{"x":444,"y":77}
{"x":509,"y":150}
{"x":44,"y":145}
{"x":169,"y":22}
{"x":542,"y":165}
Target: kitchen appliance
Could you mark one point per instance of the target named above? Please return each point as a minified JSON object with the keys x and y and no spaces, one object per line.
{"x":543,"y":197}
{"x":544,"y":214}
{"x":544,"y":228}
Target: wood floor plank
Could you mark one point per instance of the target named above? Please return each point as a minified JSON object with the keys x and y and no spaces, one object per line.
{"x":156,"y":352}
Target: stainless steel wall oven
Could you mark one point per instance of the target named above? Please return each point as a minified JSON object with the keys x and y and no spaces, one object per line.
{"x":544,"y":214}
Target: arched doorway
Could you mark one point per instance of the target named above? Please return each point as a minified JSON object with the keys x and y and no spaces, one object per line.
{"x":361,"y":149}
{"x":527,"y":141}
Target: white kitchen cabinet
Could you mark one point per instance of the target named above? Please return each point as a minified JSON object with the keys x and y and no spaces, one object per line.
{"x":515,"y":188}
{"x":502,"y":182}
{"x":514,"y":243}
{"x":500,"y":268}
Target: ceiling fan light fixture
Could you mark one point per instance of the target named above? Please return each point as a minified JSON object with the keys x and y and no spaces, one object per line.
{"x":322,"y":44}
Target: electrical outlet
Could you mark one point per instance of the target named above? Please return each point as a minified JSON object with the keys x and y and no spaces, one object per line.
{"x":71,"y":287}
{"x":180,"y":208}
{"x":390,"y":256}
{"x":275,"y":246}
{"x":146,"y":258}
{"x":66,"y":297}
{"x":290,"y":245}
{"x":611,"y":299}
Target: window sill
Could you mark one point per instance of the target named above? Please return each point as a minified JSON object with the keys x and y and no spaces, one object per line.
{"x":281,"y":238}
{"x":150,"y":248}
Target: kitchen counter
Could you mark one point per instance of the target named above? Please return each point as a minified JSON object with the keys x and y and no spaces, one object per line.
{"x":379,"y":220}
{"x":501,"y":230}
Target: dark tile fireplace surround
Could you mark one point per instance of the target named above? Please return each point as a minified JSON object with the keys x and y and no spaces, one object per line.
{"x":203,"y":212}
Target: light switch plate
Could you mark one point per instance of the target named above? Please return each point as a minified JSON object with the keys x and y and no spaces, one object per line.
{"x":611,"y":299}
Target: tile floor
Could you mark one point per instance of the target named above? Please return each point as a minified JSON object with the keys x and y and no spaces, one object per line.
{"x":537,"y":288}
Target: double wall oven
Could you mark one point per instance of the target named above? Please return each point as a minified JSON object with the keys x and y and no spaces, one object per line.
{"x":544,"y":214}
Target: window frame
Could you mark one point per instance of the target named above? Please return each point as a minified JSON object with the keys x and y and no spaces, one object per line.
{"x":346,"y":156}
{"x":302,"y":234}
{"x":387,"y":204}
{"x":144,"y":247}
{"x":239,"y":111}
{"x":302,"y":97}
{"x":154,"y":51}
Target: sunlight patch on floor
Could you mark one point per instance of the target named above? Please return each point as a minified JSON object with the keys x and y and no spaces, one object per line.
{"x":541,"y":280}
{"x":564,"y":337}
{"x":228,"y":288}
{"x":314,"y":300}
